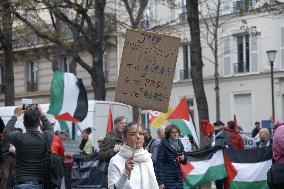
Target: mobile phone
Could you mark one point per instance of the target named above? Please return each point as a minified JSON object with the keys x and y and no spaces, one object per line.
{"x":26,"y":102}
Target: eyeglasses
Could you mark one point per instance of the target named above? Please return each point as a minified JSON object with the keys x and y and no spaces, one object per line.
{"x":100,"y":141}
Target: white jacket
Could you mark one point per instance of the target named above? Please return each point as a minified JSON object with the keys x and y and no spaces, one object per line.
{"x":142,"y":176}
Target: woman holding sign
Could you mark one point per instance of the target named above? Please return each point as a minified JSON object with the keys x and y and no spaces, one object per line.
{"x":128,"y":170}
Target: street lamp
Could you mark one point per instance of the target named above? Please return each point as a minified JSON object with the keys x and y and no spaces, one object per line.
{"x":271,"y":54}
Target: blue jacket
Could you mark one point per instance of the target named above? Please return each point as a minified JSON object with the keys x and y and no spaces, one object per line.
{"x":167,"y":170}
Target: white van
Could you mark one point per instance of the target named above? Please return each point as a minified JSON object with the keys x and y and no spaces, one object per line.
{"x":97,"y":116}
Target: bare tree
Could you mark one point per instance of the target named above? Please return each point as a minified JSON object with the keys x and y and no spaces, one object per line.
{"x":196,"y":63}
{"x":212,"y":23}
{"x":6,"y":41}
{"x":87,"y":32}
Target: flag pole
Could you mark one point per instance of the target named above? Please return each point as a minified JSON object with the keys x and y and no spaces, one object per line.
{"x":137,"y":132}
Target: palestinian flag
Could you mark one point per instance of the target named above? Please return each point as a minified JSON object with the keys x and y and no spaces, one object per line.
{"x":252,"y":166}
{"x":181,"y":117}
{"x":68,"y":99}
{"x":203,"y":166}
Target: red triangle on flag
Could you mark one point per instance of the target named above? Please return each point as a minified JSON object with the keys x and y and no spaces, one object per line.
{"x":186,"y":169}
{"x":231,"y":170}
{"x":66,"y":117}
{"x":181,"y":111}
{"x":109,"y":122}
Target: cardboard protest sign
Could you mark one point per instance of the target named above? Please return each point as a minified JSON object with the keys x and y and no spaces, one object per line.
{"x":147,"y":69}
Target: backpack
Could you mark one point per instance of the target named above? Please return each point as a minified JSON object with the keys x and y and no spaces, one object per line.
{"x":54,"y":168}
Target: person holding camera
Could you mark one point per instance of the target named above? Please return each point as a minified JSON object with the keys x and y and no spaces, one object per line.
{"x":170,"y":155}
{"x":30,"y":147}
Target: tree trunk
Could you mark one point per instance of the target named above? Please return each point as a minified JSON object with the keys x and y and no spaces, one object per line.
{"x":55,"y":58}
{"x":216,"y":74}
{"x":76,"y":46}
{"x":8,"y":55}
{"x":98,"y":79}
{"x":196,"y":63}
{"x":217,"y":90}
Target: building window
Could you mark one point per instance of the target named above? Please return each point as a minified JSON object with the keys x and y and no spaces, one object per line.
{"x":32,"y":69}
{"x":148,"y":19}
{"x":185,"y":72}
{"x":243,"y":54}
{"x":64,"y":63}
{"x":238,"y":5}
{"x":1,"y":79}
{"x":183,"y":14}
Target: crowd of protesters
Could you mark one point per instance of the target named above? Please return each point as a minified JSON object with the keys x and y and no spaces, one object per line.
{"x":128,"y":156}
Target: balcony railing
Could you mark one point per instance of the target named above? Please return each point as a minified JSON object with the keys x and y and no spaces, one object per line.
{"x":184,"y":74}
{"x":31,"y":86}
{"x":241,"y":67}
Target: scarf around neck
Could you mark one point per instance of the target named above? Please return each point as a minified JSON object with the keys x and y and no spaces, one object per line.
{"x":174,"y":144}
{"x":143,"y":158}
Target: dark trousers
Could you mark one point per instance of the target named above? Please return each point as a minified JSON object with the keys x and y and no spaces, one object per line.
{"x":220,"y":184}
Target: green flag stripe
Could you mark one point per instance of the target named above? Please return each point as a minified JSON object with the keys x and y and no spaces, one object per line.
{"x":57,"y":93}
{"x":213,"y":173}
{"x":182,"y":125}
{"x":251,"y":185}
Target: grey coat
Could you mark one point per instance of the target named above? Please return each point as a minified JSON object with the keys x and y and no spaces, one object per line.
{"x":221,"y":139}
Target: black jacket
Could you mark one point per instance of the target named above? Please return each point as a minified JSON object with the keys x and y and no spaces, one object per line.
{"x":30,"y":148}
{"x":167,"y":170}
{"x":255,"y":132}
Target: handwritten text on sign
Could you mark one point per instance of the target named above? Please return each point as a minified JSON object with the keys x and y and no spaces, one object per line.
{"x":147,"y":70}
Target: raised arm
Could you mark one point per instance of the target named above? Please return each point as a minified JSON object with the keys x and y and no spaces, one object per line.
{"x":46,"y":125}
{"x":8,"y":131}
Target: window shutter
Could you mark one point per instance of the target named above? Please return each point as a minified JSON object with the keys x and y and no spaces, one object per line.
{"x":227,"y":57}
{"x":253,"y":54}
{"x":282,"y":47}
{"x":179,"y":64}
